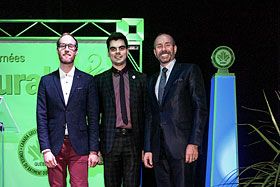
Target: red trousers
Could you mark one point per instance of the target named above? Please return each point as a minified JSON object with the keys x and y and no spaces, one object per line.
{"x":77,"y":166}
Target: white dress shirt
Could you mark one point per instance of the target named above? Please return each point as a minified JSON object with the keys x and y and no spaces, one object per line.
{"x":169,"y":69}
{"x":66,"y":80}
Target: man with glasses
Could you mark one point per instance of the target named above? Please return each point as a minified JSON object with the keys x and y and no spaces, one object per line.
{"x":122,"y":97}
{"x":67,"y":119}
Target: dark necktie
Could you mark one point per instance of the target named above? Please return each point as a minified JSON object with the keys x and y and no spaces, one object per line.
{"x":122,"y":98}
{"x":162,"y":84}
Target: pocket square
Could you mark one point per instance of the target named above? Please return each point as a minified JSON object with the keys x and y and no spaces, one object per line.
{"x":178,"y":81}
{"x":80,"y":88}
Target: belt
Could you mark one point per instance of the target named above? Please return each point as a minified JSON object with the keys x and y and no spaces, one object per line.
{"x":123,"y":131}
{"x":66,"y":137}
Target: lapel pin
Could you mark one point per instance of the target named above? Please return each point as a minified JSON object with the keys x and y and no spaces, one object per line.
{"x":133,"y":77}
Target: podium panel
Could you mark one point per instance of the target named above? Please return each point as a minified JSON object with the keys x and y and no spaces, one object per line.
{"x":8,"y":125}
{"x":222,"y":158}
{"x":1,"y":155}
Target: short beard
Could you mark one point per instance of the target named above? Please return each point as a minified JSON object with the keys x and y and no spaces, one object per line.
{"x":166,"y":61}
{"x":66,"y":62}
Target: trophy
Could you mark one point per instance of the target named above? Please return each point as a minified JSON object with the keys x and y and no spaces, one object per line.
{"x":222,"y":58}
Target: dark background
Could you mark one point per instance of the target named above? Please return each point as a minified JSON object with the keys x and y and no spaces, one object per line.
{"x":250,"y":28}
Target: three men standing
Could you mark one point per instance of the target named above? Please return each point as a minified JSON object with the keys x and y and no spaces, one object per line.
{"x":173,"y":111}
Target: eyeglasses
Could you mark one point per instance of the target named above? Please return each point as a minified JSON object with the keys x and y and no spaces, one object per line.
{"x":70,"y":46}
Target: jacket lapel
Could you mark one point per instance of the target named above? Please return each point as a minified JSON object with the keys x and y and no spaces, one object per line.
{"x":132,"y":87}
{"x":153,"y":82}
{"x":75,"y":83}
{"x":108,"y":81}
{"x":56,"y":80}
{"x":173,"y":76}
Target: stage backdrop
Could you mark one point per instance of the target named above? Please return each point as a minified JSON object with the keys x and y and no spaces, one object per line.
{"x":22,"y":63}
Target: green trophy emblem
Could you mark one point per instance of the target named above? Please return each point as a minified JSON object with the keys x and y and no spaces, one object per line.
{"x":222,"y":58}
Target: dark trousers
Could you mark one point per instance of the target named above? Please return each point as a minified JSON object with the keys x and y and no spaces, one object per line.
{"x":170,"y":172}
{"x":123,"y":163}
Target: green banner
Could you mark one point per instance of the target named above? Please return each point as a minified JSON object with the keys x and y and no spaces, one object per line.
{"x":21,"y":66}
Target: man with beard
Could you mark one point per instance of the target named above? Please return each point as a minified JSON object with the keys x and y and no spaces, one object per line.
{"x":122,"y":97}
{"x":178,"y":111}
{"x":67,"y":119}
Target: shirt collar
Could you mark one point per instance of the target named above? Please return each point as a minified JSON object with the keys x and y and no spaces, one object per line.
{"x":123,"y":71}
{"x":62,"y":74}
{"x":169,"y":66}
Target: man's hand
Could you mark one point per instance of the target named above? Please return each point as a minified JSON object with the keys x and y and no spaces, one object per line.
{"x":148,"y":160}
{"x":92,"y":159}
{"x":191,"y":153}
{"x":100,"y":159}
{"x":49,"y":159}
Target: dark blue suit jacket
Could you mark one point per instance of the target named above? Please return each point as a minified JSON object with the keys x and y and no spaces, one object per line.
{"x":182,"y":114}
{"x":80,"y":114}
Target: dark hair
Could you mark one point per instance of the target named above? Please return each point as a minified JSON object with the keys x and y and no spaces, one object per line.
{"x":116,"y":36}
{"x":174,"y":43}
{"x":65,"y":34}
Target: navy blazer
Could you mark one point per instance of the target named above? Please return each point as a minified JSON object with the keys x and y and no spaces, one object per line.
{"x":80,"y":113}
{"x":182,"y":114}
{"x":138,"y":91}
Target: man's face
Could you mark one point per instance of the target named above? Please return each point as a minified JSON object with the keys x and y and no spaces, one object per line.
{"x":67,"y":50}
{"x":118,"y":52}
{"x":164,"y":49}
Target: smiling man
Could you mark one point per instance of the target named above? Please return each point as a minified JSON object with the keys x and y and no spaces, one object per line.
{"x":67,"y":119}
{"x":122,"y":97}
{"x":178,"y":114}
